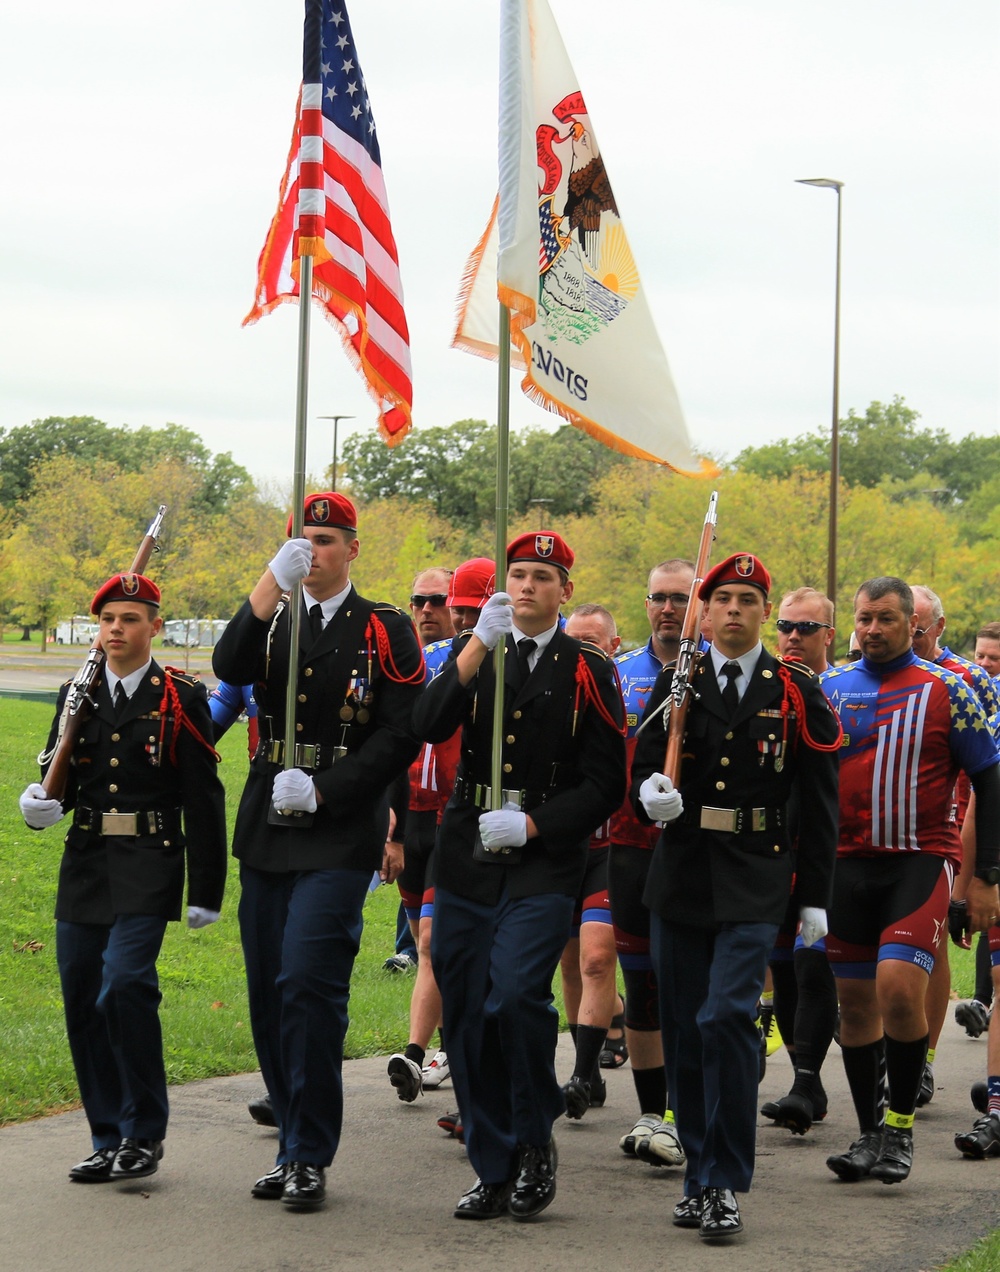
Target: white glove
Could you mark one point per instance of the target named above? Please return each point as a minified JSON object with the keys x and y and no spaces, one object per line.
{"x":813,"y":926}
{"x":660,"y":799}
{"x":496,"y":619}
{"x":199,"y":918}
{"x":37,"y":809}
{"x":294,"y":790}
{"x":292,"y":562}
{"x":506,"y":828}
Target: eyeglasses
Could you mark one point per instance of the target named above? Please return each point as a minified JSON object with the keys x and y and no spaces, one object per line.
{"x":786,"y":627}
{"x":437,"y":599}
{"x":678,"y":600}
{"x":921,"y":631}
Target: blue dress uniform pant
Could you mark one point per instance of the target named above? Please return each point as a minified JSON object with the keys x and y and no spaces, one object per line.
{"x":710,"y":980}
{"x":494,"y":966}
{"x":301,"y":932}
{"x":111,"y":996}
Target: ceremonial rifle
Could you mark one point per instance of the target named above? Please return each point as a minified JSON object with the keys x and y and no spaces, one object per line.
{"x":79,"y":696}
{"x":681,"y":688}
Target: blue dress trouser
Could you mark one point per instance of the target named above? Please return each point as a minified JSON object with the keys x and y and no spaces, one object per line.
{"x":494,"y":966}
{"x":709,"y":981}
{"x":111,"y":996}
{"x":301,"y":931}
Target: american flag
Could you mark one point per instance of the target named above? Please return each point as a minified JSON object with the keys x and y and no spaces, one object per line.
{"x":333,"y":206}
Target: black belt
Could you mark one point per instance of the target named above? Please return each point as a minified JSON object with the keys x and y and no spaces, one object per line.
{"x":481,"y":796}
{"x":308,"y":755}
{"x":151,"y":821}
{"x":734,"y":821}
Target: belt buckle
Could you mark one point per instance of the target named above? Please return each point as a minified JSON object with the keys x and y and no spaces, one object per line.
{"x":118,"y":824}
{"x":720,"y":819}
{"x":513,"y":797}
{"x":306,"y":755}
{"x":275,"y":751}
{"x":758,"y":819}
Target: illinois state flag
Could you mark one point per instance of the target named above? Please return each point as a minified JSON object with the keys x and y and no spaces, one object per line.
{"x":333,"y":207}
{"x":556,"y":254}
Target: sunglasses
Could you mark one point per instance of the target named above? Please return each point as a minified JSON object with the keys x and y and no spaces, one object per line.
{"x":786,"y":627}
{"x":678,"y":600}
{"x":437,"y":599}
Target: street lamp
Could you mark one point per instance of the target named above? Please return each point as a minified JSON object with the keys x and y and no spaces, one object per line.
{"x":336,"y":420}
{"x":828,"y":183}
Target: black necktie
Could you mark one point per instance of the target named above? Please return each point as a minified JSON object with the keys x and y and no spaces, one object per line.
{"x":525,"y":648}
{"x":316,"y":621}
{"x":730,"y":696}
{"x":120,"y":699}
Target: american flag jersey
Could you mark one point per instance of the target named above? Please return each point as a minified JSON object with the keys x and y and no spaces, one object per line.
{"x":909,"y":728}
{"x":637,"y":670}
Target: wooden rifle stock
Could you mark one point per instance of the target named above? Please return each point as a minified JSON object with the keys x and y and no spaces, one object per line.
{"x":681,"y":689}
{"x":79,"y":696}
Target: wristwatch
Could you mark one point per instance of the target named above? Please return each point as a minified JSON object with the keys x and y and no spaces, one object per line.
{"x":990,"y":875}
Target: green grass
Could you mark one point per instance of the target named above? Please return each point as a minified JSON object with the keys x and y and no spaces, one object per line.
{"x":983,"y":1257}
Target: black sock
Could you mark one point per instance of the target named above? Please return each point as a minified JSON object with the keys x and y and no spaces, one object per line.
{"x":786,"y":995}
{"x":984,"y":975}
{"x":816,"y":1018}
{"x":904,"y":1067}
{"x":415,"y":1053}
{"x":651,"y":1089}
{"x":572,"y":1031}
{"x":589,"y":1044}
{"x":864,"y":1069}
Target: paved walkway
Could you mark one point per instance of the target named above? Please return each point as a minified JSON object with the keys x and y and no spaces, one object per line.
{"x":396,"y":1178}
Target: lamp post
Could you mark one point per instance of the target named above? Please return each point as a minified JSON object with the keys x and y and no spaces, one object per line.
{"x":336,"y":420}
{"x":829,"y":183}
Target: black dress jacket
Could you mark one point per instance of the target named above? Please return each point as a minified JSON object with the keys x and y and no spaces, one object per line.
{"x":119,"y":765}
{"x":704,"y":877}
{"x":557,"y":748}
{"x":352,"y":693}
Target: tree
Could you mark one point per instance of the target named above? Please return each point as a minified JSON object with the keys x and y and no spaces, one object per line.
{"x":88,"y":440}
{"x":884,"y":443}
{"x":454,"y":470}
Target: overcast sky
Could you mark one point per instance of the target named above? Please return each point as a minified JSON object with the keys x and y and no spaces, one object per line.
{"x":143,"y":146}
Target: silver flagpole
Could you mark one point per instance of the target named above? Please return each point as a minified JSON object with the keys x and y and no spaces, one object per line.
{"x":298,"y":499}
{"x":503,"y":470}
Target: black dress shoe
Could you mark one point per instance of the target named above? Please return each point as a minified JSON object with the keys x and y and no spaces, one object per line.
{"x":687,"y":1212}
{"x":535,"y":1185}
{"x":483,"y":1201}
{"x":137,"y":1158}
{"x":270,"y":1186}
{"x":305,"y":1186}
{"x":96,"y":1169}
{"x":720,"y":1214}
{"x":261,"y":1111}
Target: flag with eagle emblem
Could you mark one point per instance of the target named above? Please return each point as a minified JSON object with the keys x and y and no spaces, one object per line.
{"x":556,"y":254}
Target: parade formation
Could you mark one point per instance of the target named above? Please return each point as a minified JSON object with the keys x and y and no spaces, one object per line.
{"x":702,"y":882}
{"x":723,"y":840}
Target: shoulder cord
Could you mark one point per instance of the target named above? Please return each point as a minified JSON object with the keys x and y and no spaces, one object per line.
{"x":171,"y":699}
{"x":793,"y":692}
{"x":586,"y":687}
{"x":385,"y":655}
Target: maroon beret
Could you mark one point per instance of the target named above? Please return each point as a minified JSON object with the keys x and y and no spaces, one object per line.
{"x":545,"y":546}
{"x":126,"y":587}
{"x":330,"y":510}
{"x":741,"y":567}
